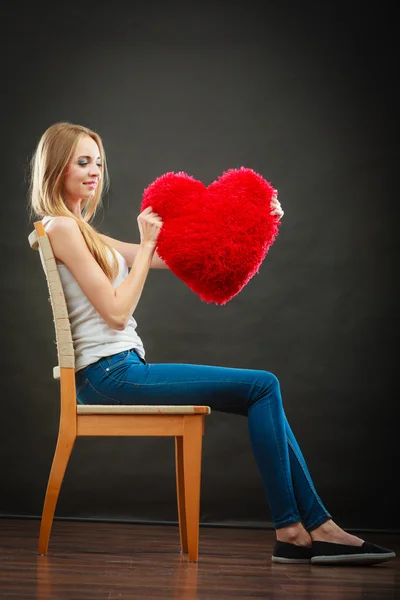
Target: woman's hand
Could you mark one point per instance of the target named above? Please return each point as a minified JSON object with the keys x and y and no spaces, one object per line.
{"x":276,"y":207}
{"x":150,"y":224}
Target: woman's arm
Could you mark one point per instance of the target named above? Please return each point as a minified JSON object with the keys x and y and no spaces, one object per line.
{"x":129,"y":251}
{"x":114,"y":305}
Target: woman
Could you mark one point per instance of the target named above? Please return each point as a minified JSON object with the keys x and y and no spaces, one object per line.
{"x":68,"y":176}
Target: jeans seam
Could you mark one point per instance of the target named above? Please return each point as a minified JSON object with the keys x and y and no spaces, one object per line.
{"x":100,"y":394}
{"x":290,"y":491}
{"x":81,"y":387}
{"x":109,"y":376}
{"x":310,"y":483}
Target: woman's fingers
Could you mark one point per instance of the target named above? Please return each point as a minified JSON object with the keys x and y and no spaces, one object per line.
{"x":147,"y":210}
{"x":276,"y":208}
{"x":278,"y":213}
{"x":154,"y":217}
{"x":148,"y":213}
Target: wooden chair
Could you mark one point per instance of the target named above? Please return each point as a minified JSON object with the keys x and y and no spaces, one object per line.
{"x":184,"y":423}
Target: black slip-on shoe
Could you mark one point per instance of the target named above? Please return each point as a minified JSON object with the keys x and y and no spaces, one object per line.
{"x":328,"y":553}
{"x":290,"y":553}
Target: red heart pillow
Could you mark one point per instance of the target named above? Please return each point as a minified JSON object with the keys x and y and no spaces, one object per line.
{"x":213,"y":238}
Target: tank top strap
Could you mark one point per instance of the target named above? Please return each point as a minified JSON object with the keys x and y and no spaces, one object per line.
{"x":46,"y":220}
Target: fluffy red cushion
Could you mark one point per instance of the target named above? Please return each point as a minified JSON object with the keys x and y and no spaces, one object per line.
{"x":213,"y":238}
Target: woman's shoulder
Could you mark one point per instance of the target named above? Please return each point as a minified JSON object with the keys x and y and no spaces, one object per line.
{"x":60,"y":228}
{"x":59,"y":224}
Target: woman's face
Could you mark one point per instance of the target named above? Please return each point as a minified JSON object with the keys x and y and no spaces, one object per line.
{"x":83,"y":172}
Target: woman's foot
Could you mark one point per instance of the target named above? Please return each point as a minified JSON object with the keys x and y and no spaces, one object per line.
{"x":293,"y":545}
{"x":294,"y":534}
{"x":330,"y":532}
{"x":333,"y":546}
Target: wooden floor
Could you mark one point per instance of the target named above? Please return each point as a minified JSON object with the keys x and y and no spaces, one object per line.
{"x":95,"y":561}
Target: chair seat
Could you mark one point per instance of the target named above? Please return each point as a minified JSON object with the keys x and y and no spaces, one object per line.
{"x":126,"y":409}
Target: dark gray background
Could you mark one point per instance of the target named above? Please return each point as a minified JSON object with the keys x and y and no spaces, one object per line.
{"x":301,"y":94}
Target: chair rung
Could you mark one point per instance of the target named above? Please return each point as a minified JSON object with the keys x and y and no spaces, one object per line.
{"x":101,"y":409}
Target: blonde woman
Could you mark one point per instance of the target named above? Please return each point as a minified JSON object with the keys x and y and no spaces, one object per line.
{"x":103,"y":280}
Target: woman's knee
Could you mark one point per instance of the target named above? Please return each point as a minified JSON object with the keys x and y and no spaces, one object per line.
{"x":266,"y":387}
{"x":269,"y":380}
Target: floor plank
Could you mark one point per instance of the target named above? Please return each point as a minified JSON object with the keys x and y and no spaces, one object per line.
{"x":113,"y":561}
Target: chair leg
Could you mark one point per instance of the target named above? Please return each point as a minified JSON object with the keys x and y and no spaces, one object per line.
{"x":65,"y":444}
{"x":180,"y":492}
{"x":192,"y":445}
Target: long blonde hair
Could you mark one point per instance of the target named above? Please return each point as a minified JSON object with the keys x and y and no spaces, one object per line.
{"x":48,"y":165}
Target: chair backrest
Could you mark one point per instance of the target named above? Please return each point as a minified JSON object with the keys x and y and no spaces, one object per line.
{"x":39,"y":240}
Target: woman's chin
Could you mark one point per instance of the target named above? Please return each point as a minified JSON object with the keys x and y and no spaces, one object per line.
{"x":87,"y":196}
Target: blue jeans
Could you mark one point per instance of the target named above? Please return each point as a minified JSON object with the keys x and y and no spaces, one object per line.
{"x":125,"y":378}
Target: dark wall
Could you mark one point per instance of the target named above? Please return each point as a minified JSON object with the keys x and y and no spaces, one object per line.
{"x":304,"y":97}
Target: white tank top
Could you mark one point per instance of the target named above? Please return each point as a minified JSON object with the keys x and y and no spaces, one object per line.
{"x":92,"y":337}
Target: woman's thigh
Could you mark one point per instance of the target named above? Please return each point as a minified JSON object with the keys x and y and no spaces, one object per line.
{"x":133,"y":381}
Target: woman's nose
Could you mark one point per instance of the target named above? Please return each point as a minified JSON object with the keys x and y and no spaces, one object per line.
{"x":95,"y":170}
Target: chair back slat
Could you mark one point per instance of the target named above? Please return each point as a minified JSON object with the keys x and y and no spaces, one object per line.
{"x":62,"y":326}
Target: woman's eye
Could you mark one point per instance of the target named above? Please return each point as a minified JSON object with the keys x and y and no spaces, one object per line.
{"x":83,"y":163}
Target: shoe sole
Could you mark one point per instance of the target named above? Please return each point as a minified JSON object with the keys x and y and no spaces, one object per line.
{"x":282,"y":560}
{"x":352,"y":559}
